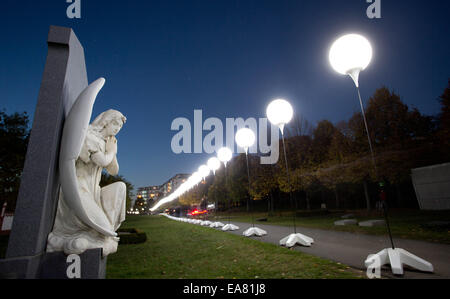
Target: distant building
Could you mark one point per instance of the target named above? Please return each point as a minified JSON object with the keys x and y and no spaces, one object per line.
{"x":173,"y":183}
{"x":150,"y":193}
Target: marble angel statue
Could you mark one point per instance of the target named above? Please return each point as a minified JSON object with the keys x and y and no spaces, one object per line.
{"x":88,"y":215}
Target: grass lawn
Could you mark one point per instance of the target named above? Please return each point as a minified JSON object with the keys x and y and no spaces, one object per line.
{"x":181,"y":250}
{"x":404,"y":224}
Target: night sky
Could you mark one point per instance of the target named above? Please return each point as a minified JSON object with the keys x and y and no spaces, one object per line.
{"x":163,"y":59}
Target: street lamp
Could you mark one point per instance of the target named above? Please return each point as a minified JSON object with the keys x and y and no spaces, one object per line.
{"x":280,"y":112}
{"x":245,"y":138}
{"x":349,"y":55}
{"x":225,"y":154}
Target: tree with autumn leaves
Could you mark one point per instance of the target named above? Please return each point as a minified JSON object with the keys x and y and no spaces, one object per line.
{"x":335,"y":159}
{"x":14,"y":137}
{"x":444,"y":122}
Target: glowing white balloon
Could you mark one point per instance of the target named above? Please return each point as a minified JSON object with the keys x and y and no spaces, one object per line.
{"x":279,"y":112}
{"x":214,"y":164}
{"x":245,"y":138}
{"x":196,"y":177}
{"x":204,"y":171}
{"x":224,"y":154}
{"x":350,"y":54}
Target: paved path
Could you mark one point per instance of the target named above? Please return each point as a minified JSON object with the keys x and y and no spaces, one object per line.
{"x":352,"y":249}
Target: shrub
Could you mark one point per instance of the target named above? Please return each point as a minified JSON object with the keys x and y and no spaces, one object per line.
{"x":131,"y":236}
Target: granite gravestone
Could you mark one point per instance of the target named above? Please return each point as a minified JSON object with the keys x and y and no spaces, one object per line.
{"x":63,"y":80}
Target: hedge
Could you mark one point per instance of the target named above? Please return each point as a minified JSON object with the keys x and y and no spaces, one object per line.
{"x":131,"y":236}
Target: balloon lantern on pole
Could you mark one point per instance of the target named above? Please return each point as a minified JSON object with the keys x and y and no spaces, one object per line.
{"x":225,"y":154}
{"x":245,"y":138}
{"x":214,"y":164}
{"x":204,"y":171}
{"x":349,"y":55}
{"x":280,"y":112}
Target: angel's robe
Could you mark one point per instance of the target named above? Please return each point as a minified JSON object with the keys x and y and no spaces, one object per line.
{"x":111,"y":199}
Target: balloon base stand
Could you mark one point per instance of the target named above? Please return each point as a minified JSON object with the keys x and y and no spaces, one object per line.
{"x":397,"y":258}
{"x":217,"y":224}
{"x":293,"y":239}
{"x":254,"y":231}
{"x":230,"y":227}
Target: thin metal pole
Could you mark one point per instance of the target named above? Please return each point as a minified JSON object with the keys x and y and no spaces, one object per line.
{"x":289,"y":183}
{"x":226,"y":189}
{"x":249,"y":195}
{"x":367,"y":132}
{"x":216,"y":204}
{"x":375,"y":167}
{"x":385,"y":209}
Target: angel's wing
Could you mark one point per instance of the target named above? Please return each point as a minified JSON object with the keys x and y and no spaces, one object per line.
{"x":74,"y":133}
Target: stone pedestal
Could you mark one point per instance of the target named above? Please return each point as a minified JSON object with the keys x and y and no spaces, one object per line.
{"x":53,"y":266}
{"x":92,"y":266}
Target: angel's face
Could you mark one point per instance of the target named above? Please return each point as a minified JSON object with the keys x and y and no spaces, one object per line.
{"x":113,"y":127}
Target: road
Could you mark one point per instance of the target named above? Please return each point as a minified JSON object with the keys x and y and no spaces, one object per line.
{"x":352,"y":249}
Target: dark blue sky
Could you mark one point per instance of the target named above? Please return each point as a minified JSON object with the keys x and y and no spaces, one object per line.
{"x":163,"y":59}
